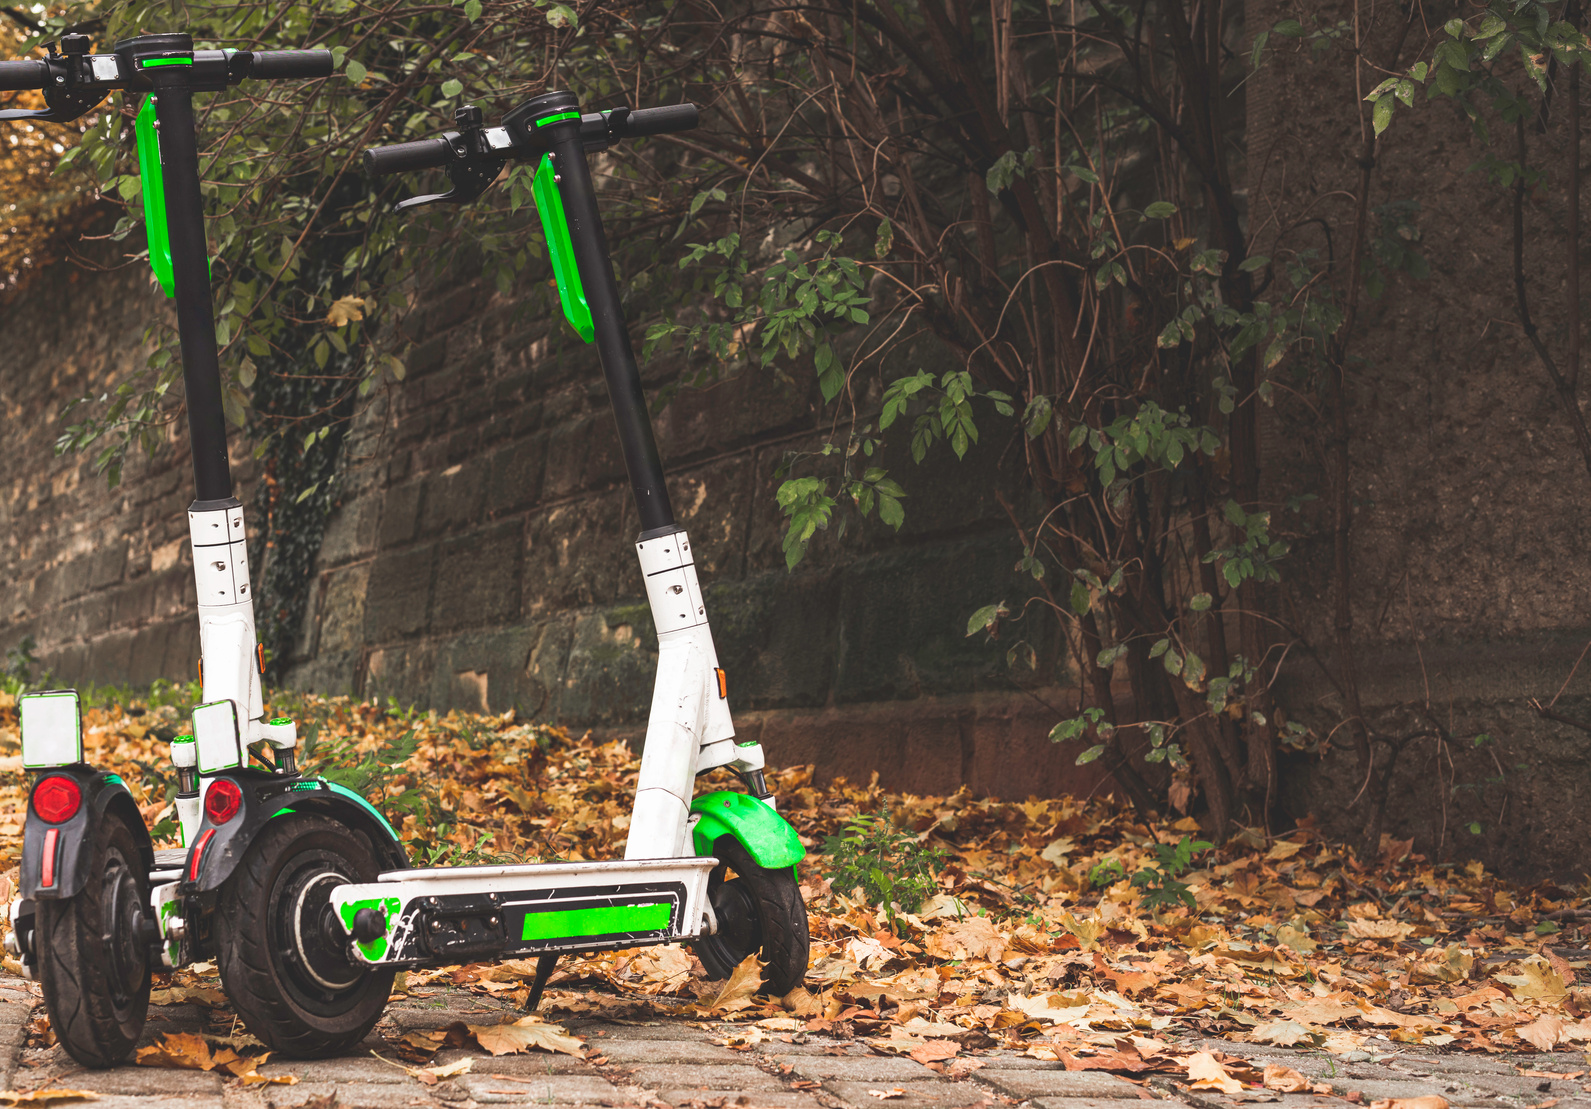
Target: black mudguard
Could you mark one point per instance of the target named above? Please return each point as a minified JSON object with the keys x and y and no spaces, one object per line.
{"x":102,"y":794}
{"x":218,"y":848}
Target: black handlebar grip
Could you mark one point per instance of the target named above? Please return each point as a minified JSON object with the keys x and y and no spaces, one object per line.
{"x":658,"y":121}
{"x":291,"y":65}
{"x":29,"y":74}
{"x":406,"y":156}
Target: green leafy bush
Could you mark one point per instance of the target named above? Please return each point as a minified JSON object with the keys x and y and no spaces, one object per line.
{"x":890,"y":866}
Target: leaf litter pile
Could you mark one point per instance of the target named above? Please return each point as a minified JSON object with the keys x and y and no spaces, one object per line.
{"x":942,"y":927}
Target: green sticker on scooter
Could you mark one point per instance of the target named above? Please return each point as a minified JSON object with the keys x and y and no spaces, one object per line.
{"x":154,"y":193}
{"x":603,"y":920}
{"x":555,"y":227}
{"x":388,"y":907}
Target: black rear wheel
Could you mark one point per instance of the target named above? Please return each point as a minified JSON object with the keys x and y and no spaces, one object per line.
{"x":93,"y":951}
{"x":760,"y":913}
{"x":284,"y":959}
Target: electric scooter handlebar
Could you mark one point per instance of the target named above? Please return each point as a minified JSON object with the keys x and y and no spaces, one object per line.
{"x":474,"y":154}
{"x":75,"y":81}
{"x":18,"y":76}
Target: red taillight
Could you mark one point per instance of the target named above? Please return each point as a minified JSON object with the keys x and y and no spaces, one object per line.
{"x":222,"y":801}
{"x":47,"y":869}
{"x":57,"y":799}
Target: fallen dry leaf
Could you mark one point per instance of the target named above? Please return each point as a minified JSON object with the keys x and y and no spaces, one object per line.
{"x":1284,"y":1080}
{"x":1429,"y":1101}
{"x":1205,"y":1073}
{"x":933,"y":1051}
{"x":737,"y":992}
{"x":1283,"y":1033}
{"x":45,"y":1097}
{"x":887,"y":1095}
{"x":523,"y":1035}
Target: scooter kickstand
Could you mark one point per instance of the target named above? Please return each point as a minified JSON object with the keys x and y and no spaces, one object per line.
{"x":544,"y":966}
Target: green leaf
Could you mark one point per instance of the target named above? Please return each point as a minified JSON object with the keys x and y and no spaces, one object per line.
{"x":1080,"y":598}
{"x":1199,"y":602}
{"x":1160,"y":209}
{"x":1091,"y":754}
{"x":1290,"y":28}
{"x":986,"y":617}
{"x":1254,"y":262}
{"x":452,"y":87}
{"x":1382,"y":115}
{"x":472,"y":10}
{"x":356,"y":71}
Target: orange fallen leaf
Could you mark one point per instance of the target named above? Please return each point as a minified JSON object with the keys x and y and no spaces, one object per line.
{"x":1284,"y":1080}
{"x":1204,"y":1073}
{"x":1429,"y":1101}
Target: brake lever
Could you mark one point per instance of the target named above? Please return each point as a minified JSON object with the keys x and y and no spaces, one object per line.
{"x":65,"y":105}
{"x":474,"y":167}
{"x":470,"y":177}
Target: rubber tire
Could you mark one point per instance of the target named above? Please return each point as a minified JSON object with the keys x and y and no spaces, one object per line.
{"x":253,"y":971}
{"x":775,"y":896}
{"x":72,"y":942}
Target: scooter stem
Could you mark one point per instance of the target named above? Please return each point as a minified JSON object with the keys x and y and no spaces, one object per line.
{"x":641,"y":456}
{"x":190,"y":273}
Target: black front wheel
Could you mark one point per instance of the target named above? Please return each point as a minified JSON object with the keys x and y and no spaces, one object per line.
{"x":284,"y":958}
{"x":760,"y":913}
{"x":93,"y":951}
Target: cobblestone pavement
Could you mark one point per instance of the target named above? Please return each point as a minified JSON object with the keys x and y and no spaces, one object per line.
{"x":675,"y":1061}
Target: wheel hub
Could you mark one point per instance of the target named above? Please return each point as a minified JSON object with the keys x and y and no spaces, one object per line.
{"x":123,"y":938}
{"x":315,"y":941}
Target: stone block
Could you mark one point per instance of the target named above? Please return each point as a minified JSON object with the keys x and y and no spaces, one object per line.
{"x":347,"y":1068}
{"x":108,"y":565}
{"x":628,"y":1052}
{"x":349,"y":1095}
{"x":398,"y":601}
{"x":149,"y":654}
{"x":550,"y":1089}
{"x":744,"y":408}
{"x":777,"y":637}
{"x":342,"y":610}
{"x":181,"y":661}
{"x":932,"y":1093}
{"x":400,"y":514}
{"x":611,"y":668}
{"x":711,"y":503}
{"x":541,"y":680}
{"x":453,"y":498}
{"x":533,"y":1064}
{"x":162,"y":1082}
{"x":351,"y":530}
{"x":704,"y":1076}
{"x":580,"y":554}
{"x":514,"y":473}
{"x":754,"y":1099}
{"x":904,"y":620}
{"x":484,"y":670}
{"x":477,"y":578}
{"x":1301,"y":1102}
{"x":1056,"y":1083}
{"x":135,"y":601}
{"x":110,"y":658}
{"x":406,"y":672}
{"x":582,"y":455}
{"x":854,"y":1068}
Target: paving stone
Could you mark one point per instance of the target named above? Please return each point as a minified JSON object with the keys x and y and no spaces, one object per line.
{"x":144,"y":1082}
{"x":1377,"y":1090}
{"x":813,"y":1046}
{"x":690,"y":1076}
{"x":551,"y":1089}
{"x":350,"y":1095}
{"x":600,"y":1032}
{"x":1024,"y":1084}
{"x":851,"y":1068}
{"x":751,"y":1099}
{"x":349,"y":1068}
{"x":527,"y":1065}
{"x":1170,"y":1103}
{"x":1517,"y":1085}
{"x":428,"y":1019}
{"x":919,"y":1093}
{"x":626,"y":1051}
{"x":211,"y":1101}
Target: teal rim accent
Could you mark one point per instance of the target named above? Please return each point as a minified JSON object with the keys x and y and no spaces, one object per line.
{"x":556,"y":118}
{"x":113,"y":779}
{"x":344,"y":791}
{"x":281,"y":812}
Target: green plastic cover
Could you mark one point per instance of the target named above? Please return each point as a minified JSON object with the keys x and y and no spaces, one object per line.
{"x":555,"y":226}
{"x":154,"y":196}
{"x":766,"y":836}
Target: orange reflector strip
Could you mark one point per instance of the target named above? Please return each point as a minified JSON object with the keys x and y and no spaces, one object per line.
{"x":723,"y":683}
{"x":47,"y":878}
{"x":259,"y":653}
{"x":198,"y":854}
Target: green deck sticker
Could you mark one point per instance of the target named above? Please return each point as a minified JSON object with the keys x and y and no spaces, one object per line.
{"x":605,"y":920}
{"x":388,"y":907}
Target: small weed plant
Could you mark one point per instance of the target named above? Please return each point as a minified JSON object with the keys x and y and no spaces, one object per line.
{"x":890,"y":866}
{"x":1157,"y":880}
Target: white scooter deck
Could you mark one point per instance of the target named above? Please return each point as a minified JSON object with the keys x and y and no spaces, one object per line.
{"x":445,"y":914}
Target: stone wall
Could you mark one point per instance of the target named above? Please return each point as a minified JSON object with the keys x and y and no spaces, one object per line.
{"x":480,"y":555}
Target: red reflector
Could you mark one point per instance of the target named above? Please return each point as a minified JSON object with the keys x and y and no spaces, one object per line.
{"x":56,"y":799}
{"x":47,"y":877}
{"x":222,"y":800}
{"x":198,"y":854}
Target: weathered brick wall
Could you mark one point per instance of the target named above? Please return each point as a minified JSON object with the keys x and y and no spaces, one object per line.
{"x":101,"y":578}
{"x":481,"y":553}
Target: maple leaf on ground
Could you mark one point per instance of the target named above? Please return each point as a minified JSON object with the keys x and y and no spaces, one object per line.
{"x":1283,"y":1033}
{"x":1284,"y":1080}
{"x":1379,"y":930}
{"x":183,"y":1050}
{"x":1537,"y":980}
{"x":931,"y":1051}
{"x":1205,"y":1073}
{"x":1544,"y":1033}
{"x":737,"y":991}
{"x":524,"y":1034}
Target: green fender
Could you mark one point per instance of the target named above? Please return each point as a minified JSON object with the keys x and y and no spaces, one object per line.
{"x":766,"y":836}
